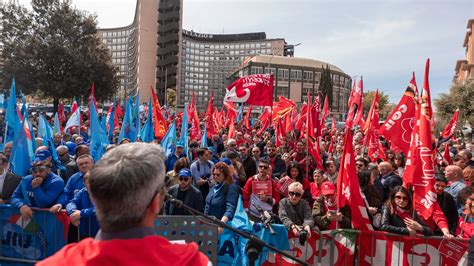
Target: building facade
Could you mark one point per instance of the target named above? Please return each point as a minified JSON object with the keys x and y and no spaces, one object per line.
{"x":294,"y":77}
{"x":464,"y":70}
{"x":208,"y":61}
{"x":133,"y":50}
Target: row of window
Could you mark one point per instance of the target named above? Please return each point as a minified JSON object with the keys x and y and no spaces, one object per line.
{"x":296,"y":75}
{"x":229,"y":52}
{"x":123,"y":33}
{"x":253,"y":45}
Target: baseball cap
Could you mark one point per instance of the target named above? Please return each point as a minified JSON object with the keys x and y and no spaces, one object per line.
{"x":42,"y":155}
{"x":328,"y":188}
{"x":185,"y":172}
{"x":226,"y":161}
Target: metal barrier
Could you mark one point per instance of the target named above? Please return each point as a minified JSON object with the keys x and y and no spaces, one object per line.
{"x":190,"y":229}
{"x":28,"y":241}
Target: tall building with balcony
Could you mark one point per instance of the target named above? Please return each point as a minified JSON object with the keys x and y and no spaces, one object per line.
{"x":464,"y":70}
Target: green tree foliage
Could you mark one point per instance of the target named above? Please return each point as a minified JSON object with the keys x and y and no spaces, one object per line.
{"x":460,"y":96}
{"x":54,"y":51}
{"x":383,"y":101}
{"x":326,"y":85}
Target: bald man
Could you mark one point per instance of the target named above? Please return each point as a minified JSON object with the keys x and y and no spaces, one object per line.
{"x":456,"y":182}
{"x":388,"y":178}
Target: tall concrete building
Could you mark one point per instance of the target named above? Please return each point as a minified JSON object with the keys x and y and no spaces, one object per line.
{"x":133,"y":49}
{"x":464,"y":70}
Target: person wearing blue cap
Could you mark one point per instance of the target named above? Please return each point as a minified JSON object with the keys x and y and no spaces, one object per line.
{"x":185,"y":192}
{"x":40,"y":189}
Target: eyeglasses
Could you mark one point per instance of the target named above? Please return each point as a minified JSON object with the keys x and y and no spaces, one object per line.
{"x":39,"y":169}
{"x":359,"y":165}
{"x":263,"y":166}
{"x":183,"y":178}
{"x":294,"y":194}
{"x":404,"y":198}
{"x":271,"y":150}
{"x":255,"y":151}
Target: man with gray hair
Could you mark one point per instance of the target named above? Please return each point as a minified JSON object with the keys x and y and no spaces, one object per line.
{"x":127,"y":186}
{"x":67,"y":161}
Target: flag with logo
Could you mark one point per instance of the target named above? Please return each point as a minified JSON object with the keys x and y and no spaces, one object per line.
{"x":253,"y":89}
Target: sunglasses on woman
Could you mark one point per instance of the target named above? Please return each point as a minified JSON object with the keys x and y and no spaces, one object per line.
{"x":404,"y":198}
{"x":294,"y":194}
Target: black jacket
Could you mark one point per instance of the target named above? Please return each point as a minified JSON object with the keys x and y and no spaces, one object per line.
{"x":9,"y":185}
{"x":250,"y":166}
{"x":193,"y":199}
{"x":279,"y":167}
{"x":446,"y":203}
{"x":394,"y":224}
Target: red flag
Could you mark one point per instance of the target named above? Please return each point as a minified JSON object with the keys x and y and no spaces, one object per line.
{"x":265,"y":120}
{"x":355,"y":102}
{"x":194,"y":120}
{"x":247,"y":118}
{"x":450,"y":128}
{"x":283,"y":107}
{"x":118,"y":110}
{"x":253,"y":89}
{"x":232,"y":115}
{"x":160,"y":125}
{"x":348,"y":189}
{"x":302,"y":118}
{"x":315,"y":115}
{"x":61,"y":114}
{"x":311,"y":140}
{"x":400,"y":123}
{"x":325,"y":113}
{"x":446,"y":155}
{"x":210,"y":129}
{"x":279,"y":134}
{"x":424,"y":195}
{"x":359,"y":101}
{"x":371,"y":131}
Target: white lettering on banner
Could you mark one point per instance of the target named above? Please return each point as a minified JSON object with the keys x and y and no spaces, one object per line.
{"x":401,"y":110}
{"x":419,"y":252}
{"x":380,"y":251}
{"x":429,"y":199}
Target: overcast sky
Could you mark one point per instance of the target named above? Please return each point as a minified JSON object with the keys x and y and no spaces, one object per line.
{"x":383,"y":41}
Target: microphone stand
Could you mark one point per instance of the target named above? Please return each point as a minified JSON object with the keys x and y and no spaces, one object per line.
{"x":255,"y":244}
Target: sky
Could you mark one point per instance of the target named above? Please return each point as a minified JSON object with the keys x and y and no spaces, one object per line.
{"x":383,"y":41}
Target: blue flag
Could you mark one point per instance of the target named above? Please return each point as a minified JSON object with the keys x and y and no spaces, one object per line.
{"x":57,"y":127}
{"x":169,"y":140}
{"x":128,"y":129}
{"x":147,"y":133}
{"x":48,"y":142}
{"x":183,"y":140}
{"x":30,"y":135}
{"x":20,"y":157}
{"x":204,"y":137}
{"x":239,"y":114}
{"x":99,"y":140}
{"x":12,"y":121}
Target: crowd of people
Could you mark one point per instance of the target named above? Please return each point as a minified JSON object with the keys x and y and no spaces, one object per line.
{"x":283,"y":180}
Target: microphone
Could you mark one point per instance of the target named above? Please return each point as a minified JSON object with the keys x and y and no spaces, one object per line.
{"x":265,"y":218}
{"x":178,"y":203}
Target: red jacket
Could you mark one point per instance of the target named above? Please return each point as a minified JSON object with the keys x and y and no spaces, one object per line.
{"x":248,"y":191}
{"x":150,"y":250}
{"x":437,"y":218}
{"x":467,"y":228}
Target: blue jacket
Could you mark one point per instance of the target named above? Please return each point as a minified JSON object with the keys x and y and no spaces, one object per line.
{"x":74,"y":184}
{"x":43,"y":196}
{"x":222,"y":201}
{"x":171,"y":160}
{"x":88,"y":225}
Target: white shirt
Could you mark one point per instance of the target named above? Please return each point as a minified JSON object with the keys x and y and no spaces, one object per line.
{"x":2,"y":179}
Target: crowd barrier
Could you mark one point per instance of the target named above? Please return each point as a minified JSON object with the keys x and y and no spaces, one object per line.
{"x":28,"y":241}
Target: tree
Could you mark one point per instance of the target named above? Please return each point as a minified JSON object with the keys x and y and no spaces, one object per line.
{"x":326,"y":85}
{"x":460,"y":96}
{"x":383,"y":101}
{"x":54,"y":51}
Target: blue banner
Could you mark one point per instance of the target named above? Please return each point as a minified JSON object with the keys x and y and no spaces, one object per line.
{"x":32,"y":239}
